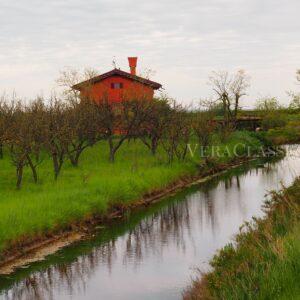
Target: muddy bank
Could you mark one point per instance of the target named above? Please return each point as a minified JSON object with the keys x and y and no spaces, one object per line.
{"x":28,"y":250}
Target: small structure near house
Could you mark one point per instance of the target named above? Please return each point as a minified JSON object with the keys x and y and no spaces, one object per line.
{"x":248,"y":123}
{"x":244,"y":123}
{"x":117,"y":85}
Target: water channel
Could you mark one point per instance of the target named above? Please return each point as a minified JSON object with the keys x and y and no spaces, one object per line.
{"x":154,"y":252}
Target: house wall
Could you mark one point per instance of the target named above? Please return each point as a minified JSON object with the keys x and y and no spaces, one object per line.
{"x":131,"y":90}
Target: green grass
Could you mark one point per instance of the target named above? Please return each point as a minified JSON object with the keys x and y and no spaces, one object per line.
{"x":265,"y":262}
{"x":287,"y":134}
{"x":237,"y":144}
{"x":90,"y":188}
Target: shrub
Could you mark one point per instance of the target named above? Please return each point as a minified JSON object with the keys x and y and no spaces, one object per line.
{"x":273,"y":120}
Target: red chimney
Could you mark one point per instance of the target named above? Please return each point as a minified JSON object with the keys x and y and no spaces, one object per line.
{"x":132,"y":64}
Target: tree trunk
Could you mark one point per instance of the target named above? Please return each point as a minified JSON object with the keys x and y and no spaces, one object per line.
{"x":236,"y":107}
{"x":58,"y":160}
{"x":74,"y":159}
{"x":111,"y":150}
{"x":144,"y":140}
{"x":111,"y":156}
{"x":170,"y":155}
{"x":19,"y":176}
{"x":153,"y":146}
{"x":33,"y":169}
{"x":184,"y":152}
{"x":76,"y":152}
{"x":55,"y":165}
{"x":114,"y":148}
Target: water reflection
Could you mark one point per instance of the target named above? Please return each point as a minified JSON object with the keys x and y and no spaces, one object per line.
{"x":151,"y":254}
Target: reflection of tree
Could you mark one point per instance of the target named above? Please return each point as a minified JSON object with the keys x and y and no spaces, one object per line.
{"x":72,"y":277}
{"x":158,"y":231}
{"x":40,"y":285}
{"x":238,"y":184}
{"x":169,"y":226}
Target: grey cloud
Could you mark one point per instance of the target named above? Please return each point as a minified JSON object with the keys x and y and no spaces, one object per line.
{"x":183,"y":41}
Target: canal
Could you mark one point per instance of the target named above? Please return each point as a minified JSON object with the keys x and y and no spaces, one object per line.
{"x":154,"y":252}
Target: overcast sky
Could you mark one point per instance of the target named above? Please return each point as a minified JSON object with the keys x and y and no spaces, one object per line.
{"x":183,"y":41}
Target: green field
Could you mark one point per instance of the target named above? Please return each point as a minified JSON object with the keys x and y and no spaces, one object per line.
{"x":91,"y":188}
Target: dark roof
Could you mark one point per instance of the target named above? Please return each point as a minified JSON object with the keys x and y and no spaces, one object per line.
{"x":121,"y":73}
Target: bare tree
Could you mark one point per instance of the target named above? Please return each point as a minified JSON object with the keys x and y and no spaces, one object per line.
{"x":229,"y":90}
{"x":2,"y":126}
{"x":159,"y":112}
{"x":16,"y":137}
{"x":69,"y":76}
{"x":267,"y":105}
{"x":184,"y":127}
{"x":57,"y":133}
{"x":295,"y":103}
{"x":120,"y":121}
{"x":24,"y":137}
{"x":36,"y":119}
{"x":83,"y":127}
{"x":6,"y":112}
{"x":177,"y":132}
{"x":239,"y":85}
{"x":204,"y":124}
{"x":147,"y":73}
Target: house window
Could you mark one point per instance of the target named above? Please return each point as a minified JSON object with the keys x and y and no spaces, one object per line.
{"x":117,"y":85}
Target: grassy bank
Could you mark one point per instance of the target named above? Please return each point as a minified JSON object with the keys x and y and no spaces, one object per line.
{"x":92,"y":188}
{"x":289,"y":134}
{"x":282,"y":127}
{"x":265,"y":262}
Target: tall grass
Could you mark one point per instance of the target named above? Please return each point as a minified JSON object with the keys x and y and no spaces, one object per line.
{"x":265,"y":262}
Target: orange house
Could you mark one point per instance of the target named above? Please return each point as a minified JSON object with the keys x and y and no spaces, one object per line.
{"x":117,"y":85}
